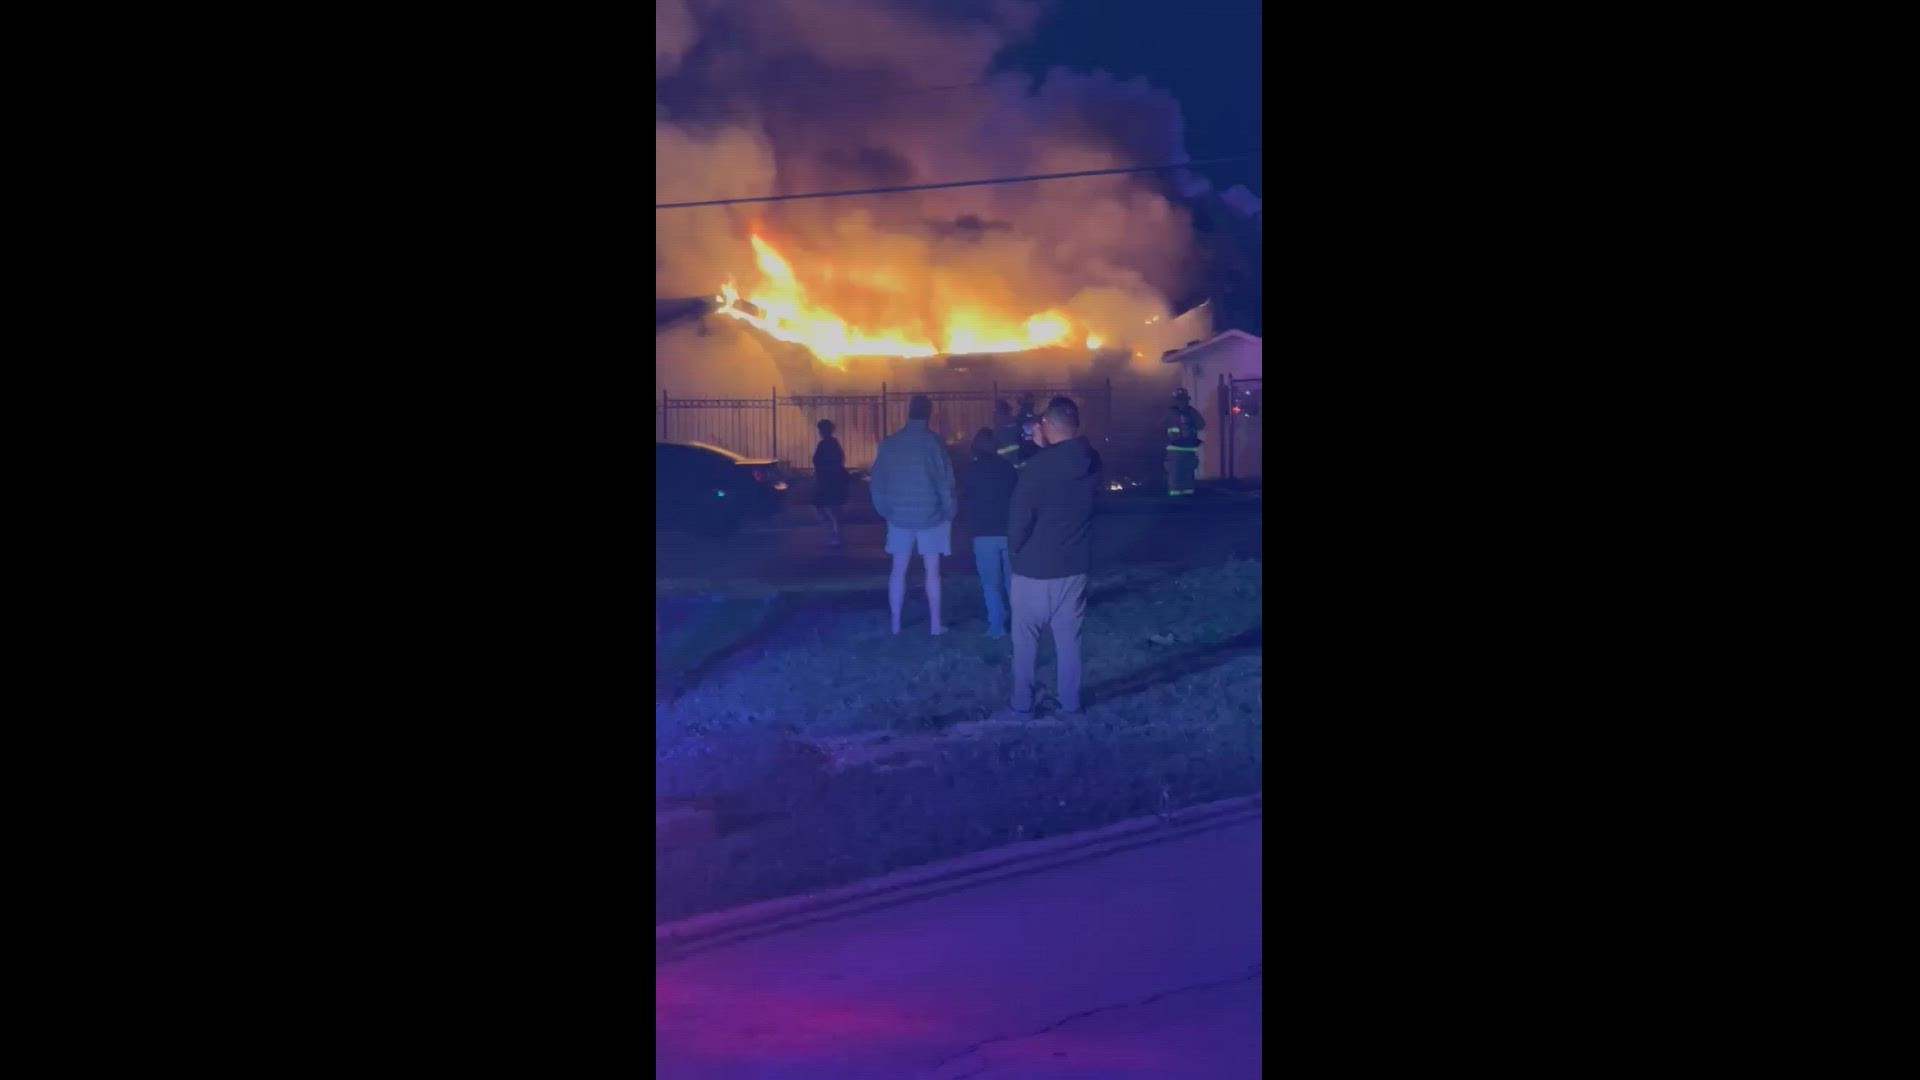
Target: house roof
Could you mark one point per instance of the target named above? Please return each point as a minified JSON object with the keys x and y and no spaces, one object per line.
{"x":1215,"y":344}
{"x":671,"y":312}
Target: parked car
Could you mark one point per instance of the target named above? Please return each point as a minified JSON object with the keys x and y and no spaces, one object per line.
{"x":713,"y":490}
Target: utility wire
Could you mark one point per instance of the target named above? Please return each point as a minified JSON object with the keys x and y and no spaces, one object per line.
{"x":959,"y":183}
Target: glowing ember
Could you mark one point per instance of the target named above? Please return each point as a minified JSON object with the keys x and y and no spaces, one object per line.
{"x":780,"y":306}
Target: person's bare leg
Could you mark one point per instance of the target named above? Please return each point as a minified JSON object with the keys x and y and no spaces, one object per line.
{"x":833,"y":519}
{"x":933,"y":590}
{"x":897,"y":588}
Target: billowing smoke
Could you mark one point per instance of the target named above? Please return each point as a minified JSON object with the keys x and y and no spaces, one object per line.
{"x":761,"y":97}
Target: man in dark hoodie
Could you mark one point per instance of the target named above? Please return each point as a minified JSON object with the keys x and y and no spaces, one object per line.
{"x":1050,"y":541}
{"x":986,"y":494}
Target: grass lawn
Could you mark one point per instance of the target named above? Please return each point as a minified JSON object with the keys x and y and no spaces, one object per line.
{"x":832,"y":750}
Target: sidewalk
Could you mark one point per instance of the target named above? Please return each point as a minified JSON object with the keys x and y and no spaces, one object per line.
{"x":1142,"y":962}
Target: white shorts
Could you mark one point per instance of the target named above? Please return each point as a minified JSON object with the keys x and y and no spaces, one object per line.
{"x":935,"y":541}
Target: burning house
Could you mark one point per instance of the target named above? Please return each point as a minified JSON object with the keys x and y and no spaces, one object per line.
{"x":1004,"y":286}
{"x":763,"y":97}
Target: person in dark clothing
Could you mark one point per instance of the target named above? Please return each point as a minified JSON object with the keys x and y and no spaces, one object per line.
{"x":830,"y":480}
{"x":1006,"y":431}
{"x":1029,"y":422}
{"x":1184,"y":424}
{"x":1050,"y":549}
{"x":986,"y":497}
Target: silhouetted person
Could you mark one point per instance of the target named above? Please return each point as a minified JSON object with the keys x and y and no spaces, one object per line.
{"x":1050,"y":542}
{"x":1006,"y":431}
{"x":913,"y":491}
{"x":830,"y":480}
{"x":1029,"y":421}
{"x":1184,"y":424}
{"x":985,"y":499}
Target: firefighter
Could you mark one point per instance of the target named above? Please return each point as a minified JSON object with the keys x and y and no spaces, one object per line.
{"x":1184,"y":424}
{"x":1029,"y":418}
{"x":1006,"y":432}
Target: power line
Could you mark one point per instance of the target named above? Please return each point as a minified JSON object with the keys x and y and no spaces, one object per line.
{"x":959,"y":183}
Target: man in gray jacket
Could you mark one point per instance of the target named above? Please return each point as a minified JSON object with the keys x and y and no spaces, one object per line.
{"x":913,"y":492}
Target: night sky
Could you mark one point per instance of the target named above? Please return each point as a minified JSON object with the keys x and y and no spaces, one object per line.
{"x":1205,"y":52}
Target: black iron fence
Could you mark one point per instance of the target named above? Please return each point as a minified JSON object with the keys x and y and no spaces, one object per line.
{"x":784,"y":427}
{"x":1240,"y":428}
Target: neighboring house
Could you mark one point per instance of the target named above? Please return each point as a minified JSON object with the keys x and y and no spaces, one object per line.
{"x":1232,"y":438}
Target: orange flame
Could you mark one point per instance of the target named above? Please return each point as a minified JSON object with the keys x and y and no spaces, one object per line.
{"x":785,"y":312}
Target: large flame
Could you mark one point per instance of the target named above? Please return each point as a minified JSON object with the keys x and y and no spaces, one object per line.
{"x":779,"y":304}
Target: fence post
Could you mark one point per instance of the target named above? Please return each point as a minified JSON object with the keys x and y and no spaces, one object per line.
{"x":880,"y":429}
{"x":666,"y":414}
{"x":773,"y":410}
{"x":1225,"y":455}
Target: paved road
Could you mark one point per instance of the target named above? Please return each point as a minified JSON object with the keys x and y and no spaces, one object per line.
{"x":1141,"y":963}
{"x":793,"y":546}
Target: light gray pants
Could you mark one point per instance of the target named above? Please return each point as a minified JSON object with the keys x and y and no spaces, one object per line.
{"x":1062,"y":604}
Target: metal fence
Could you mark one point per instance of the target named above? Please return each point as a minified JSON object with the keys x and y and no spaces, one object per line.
{"x":783,"y":427}
{"x":1240,"y":430}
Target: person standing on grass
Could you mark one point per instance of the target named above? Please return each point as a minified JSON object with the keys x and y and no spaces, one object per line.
{"x":984,"y":502}
{"x":830,"y":480}
{"x":913,"y":491}
{"x":1050,"y":545}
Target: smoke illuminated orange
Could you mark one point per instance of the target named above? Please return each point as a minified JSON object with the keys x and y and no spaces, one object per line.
{"x":785,"y":311}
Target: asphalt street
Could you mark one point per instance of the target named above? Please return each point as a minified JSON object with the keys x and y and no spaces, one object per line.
{"x":1142,"y":963}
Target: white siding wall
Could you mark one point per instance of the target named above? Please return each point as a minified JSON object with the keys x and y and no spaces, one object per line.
{"x":1236,"y":356}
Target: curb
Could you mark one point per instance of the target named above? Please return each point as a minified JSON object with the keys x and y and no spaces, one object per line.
{"x":676,"y":940}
